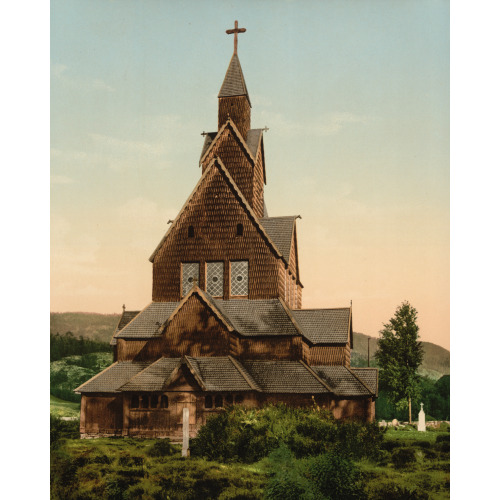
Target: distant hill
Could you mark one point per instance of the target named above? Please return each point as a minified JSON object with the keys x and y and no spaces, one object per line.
{"x":101,"y":327}
{"x":89,"y":325}
{"x":436,"y":361}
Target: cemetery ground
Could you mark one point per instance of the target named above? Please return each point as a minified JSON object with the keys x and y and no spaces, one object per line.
{"x":275,"y":452}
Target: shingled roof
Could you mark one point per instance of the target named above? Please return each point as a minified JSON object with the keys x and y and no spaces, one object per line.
{"x":253,"y":141}
{"x":284,"y":377}
{"x":324,"y":326}
{"x":257,"y":317}
{"x":369,"y":376}
{"x":125,"y":319}
{"x":147,"y":323}
{"x":234,"y":82}
{"x":280,"y":230}
{"x":153,"y":377}
{"x":342,"y":381}
{"x":221,"y":374}
{"x":112,"y":378}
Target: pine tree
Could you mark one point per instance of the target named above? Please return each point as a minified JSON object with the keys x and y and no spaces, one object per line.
{"x":399,"y":355}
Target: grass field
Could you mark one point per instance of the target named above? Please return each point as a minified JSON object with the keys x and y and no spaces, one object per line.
{"x":62,"y":408}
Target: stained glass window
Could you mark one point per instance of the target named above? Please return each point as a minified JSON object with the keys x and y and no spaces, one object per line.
{"x":190,"y":272}
{"x":215,"y":278}
{"x":239,"y":277}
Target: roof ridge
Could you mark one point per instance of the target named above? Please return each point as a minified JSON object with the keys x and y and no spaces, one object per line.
{"x":244,"y":373}
{"x":321,"y":309}
{"x":198,"y":377}
{"x":360,"y":381}
{"x":315,"y":375}
{"x":282,"y":217}
{"x":142,"y":371}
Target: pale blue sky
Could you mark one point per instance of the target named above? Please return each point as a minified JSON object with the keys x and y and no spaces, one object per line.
{"x":356,"y":96}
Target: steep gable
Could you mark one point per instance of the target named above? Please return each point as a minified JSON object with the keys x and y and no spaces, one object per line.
{"x":213,"y":210}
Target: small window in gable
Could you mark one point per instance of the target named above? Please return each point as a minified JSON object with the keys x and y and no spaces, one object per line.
{"x":190,"y":274}
{"x":215,"y":278}
{"x":239,"y":230}
{"x":239,"y":277}
{"x":190,"y":232}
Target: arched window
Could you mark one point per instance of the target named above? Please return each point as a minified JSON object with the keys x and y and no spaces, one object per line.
{"x":164,"y":401}
{"x":154,"y":401}
{"x":135,"y":402}
{"x":218,"y":401}
{"x":190,"y":232}
{"x":238,"y":399}
{"x":239,"y":230}
{"x":208,"y":402}
{"x":229,"y":400}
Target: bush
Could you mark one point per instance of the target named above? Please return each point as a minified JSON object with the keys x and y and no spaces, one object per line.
{"x":403,"y":457}
{"x":161,"y":448}
{"x":443,"y":438}
{"x":393,"y":491}
{"x":63,"y":429}
{"x":444,"y":446}
{"x":249,"y":435}
{"x":336,"y":477}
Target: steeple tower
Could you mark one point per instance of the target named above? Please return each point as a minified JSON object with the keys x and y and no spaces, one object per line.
{"x":234,"y":101}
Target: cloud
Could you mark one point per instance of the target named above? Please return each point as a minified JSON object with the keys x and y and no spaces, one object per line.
{"x":325,"y":126}
{"x":60,"y":72}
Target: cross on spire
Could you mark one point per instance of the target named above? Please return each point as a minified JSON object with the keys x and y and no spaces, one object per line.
{"x":236,"y":30}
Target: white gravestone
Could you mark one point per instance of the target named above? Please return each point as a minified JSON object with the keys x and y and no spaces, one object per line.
{"x":185,"y":432}
{"x":421,"y":418}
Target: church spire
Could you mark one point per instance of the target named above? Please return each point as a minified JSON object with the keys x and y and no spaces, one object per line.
{"x":234,"y":101}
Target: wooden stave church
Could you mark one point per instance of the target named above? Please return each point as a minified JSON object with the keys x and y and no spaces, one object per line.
{"x":225,"y":325}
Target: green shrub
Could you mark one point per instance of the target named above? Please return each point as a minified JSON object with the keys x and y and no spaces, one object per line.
{"x":63,"y":429}
{"x":335,"y":477}
{"x":249,"y":435}
{"x":393,"y":491}
{"x":423,"y":444}
{"x":161,"y":448}
{"x":443,"y":438}
{"x":444,"y":446}
{"x":390,"y":444}
{"x":403,"y":457}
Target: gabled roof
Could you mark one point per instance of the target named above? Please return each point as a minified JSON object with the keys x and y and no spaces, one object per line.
{"x":148,"y":322}
{"x":220,"y":374}
{"x":125,"y":319}
{"x":284,"y":377}
{"x":253,"y":140}
{"x":112,"y":378}
{"x":234,"y":82}
{"x":324,"y":326}
{"x":217,"y":163}
{"x":342,"y":381}
{"x":154,"y":377}
{"x":257,"y":317}
{"x":231,"y":125}
{"x":280,"y":230}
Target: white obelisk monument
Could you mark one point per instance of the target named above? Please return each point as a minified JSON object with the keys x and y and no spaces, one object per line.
{"x":421,"y":418}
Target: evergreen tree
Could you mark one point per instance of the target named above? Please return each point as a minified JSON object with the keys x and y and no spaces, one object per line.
{"x":399,"y":355}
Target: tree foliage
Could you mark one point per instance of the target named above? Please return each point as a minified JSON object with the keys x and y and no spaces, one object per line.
{"x":65,"y":345}
{"x":399,"y":355}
